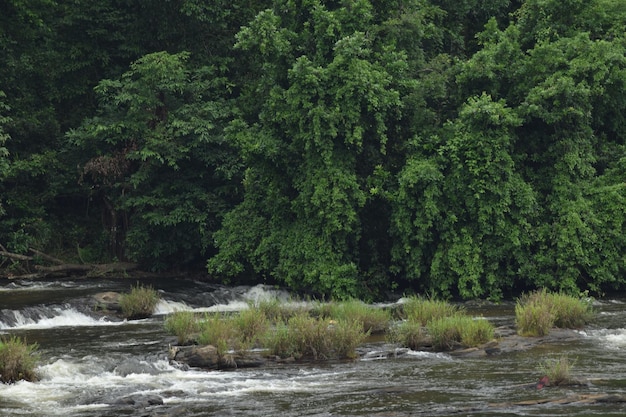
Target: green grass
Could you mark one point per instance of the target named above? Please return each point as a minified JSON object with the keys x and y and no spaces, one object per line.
{"x":537,"y":312}
{"x":18,"y":360}
{"x":423,"y":310}
{"x":373,"y":319}
{"x":274,"y":310}
{"x":280,"y":341}
{"x":445,"y":332}
{"x":570,"y":312}
{"x":533,"y":318}
{"x":444,"y":325}
{"x":558,"y":371}
{"x":250,"y":325}
{"x":408,"y":334}
{"x":306,"y":337}
{"x":346,"y":336}
{"x":184,"y":325}
{"x":475,"y":332}
{"x":459,"y":330}
{"x":219,"y":331}
{"x":139,"y":303}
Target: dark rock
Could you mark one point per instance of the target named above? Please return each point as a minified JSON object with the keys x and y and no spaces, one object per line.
{"x":135,"y":366}
{"x":140,"y":400}
{"x":207,"y":357}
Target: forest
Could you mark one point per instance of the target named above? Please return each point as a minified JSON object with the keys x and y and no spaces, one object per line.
{"x":348,"y":148}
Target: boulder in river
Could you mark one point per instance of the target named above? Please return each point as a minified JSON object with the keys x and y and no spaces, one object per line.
{"x":207,"y":357}
{"x":140,"y":400}
{"x":107,"y":301}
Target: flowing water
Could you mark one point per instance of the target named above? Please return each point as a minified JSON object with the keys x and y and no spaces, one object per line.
{"x":90,"y":365}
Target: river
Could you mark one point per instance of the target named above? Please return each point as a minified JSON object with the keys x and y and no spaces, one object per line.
{"x":92,"y":365}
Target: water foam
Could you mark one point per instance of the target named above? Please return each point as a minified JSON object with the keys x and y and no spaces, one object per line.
{"x":610,"y":338}
{"x":60,"y":317}
{"x":239,"y":302}
{"x":73,"y":385}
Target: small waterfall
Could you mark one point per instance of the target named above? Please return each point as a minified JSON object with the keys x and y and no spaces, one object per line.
{"x":45,"y":317}
{"x":222,"y":299}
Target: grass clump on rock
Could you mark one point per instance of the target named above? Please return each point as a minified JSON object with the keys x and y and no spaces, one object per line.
{"x":139,"y":303}
{"x":184,"y":325}
{"x":459,"y":331}
{"x":408,"y":334}
{"x":537,"y":312}
{"x":303,"y":336}
{"x":558,"y":371}
{"x":439,"y":324}
{"x":218,"y":331}
{"x":18,"y":360}
{"x":374,"y":320}
{"x":423,"y":310}
{"x":250,"y":325}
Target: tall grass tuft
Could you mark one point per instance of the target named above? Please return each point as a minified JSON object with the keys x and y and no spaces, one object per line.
{"x":532,"y":317}
{"x":139,"y":303}
{"x":18,"y":360}
{"x":346,"y":336}
{"x":274,"y":310}
{"x":537,"y":312}
{"x":310,"y":336}
{"x":250,"y":325}
{"x":459,"y":330}
{"x":373,"y":319}
{"x":280,"y":341}
{"x":408,"y":334}
{"x":445,"y":332}
{"x":303,"y":336}
{"x":217,"y":331}
{"x":558,"y":371}
{"x":475,"y":332}
{"x":570,"y":312}
{"x":182,"y":324}
{"x":422,"y":310}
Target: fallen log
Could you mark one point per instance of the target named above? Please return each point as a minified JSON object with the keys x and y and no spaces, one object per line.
{"x":60,"y":268}
{"x":15,"y":256}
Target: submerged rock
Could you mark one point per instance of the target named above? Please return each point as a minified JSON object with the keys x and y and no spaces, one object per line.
{"x":140,"y":400}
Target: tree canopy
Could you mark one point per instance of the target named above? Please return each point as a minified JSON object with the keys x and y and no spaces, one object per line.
{"x":347,"y":148}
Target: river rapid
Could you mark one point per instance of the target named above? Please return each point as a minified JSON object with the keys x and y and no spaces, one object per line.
{"x":103,"y":367}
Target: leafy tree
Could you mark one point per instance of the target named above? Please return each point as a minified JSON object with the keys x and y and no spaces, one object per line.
{"x":462,"y":215}
{"x":160,"y":168}
{"x":327,"y":99}
{"x":564,"y":84}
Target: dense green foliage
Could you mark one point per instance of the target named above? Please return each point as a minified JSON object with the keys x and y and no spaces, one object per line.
{"x":347,"y":148}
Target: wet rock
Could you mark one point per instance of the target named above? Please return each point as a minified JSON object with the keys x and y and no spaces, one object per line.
{"x":135,"y":366}
{"x":140,"y":400}
{"x":388,"y":353}
{"x":508,"y":341}
{"x":207,"y":357}
{"x":107,"y":301}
